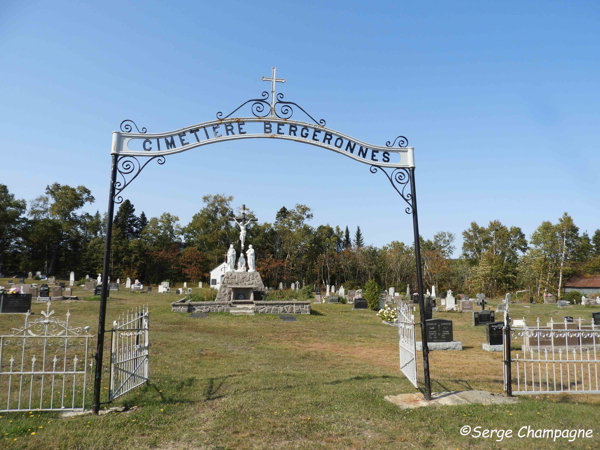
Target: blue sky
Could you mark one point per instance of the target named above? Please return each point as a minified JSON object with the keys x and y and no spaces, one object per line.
{"x":500,"y":100}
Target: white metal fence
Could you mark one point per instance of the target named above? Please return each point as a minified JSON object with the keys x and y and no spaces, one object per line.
{"x":554,"y":358}
{"x":407,"y":342}
{"x":129,"y":355}
{"x":44,"y":365}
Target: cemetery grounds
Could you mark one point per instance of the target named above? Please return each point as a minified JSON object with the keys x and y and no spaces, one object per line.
{"x":257,"y":382}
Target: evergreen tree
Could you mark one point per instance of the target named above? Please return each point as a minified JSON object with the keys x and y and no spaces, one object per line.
{"x":358,"y":238}
{"x":126,"y":221}
{"x":347,"y":240}
{"x":142,"y":222}
{"x":596,"y":242}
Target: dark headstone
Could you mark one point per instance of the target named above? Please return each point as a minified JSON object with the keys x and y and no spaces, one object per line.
{"x":113,"y":286}
{"x":288,"y":318}
{"x":149,"y":288}
{"x":44,"y":291}
{"x":98,"y":291}
{"x":318,"y":291}
{"x":415,"y":298}
{"x":15,"y":303}
{"x":493,"y":333}
{"x":61,"y":284}
{"x":361,"y":303}
{"x":439,"y":330}
{"x":569,"y":319}
{"x":21,"y":280}
{"x":333,"y":299}
{"x":483,"y":317}
{"x":199,"y":315}
{"x":596,"y":318}
{"x":10,"y":282}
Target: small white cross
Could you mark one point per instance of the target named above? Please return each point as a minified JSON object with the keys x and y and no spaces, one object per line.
{"x":273,"y":81}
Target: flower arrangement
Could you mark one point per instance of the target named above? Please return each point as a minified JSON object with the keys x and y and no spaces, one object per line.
{"x":388,"y":314}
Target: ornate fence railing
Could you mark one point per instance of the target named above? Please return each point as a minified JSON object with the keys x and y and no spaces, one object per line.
{"x":44,"y":365}
{"x":129,"y":352}
{"x":560,"y":357}
{"x":407,"y":342}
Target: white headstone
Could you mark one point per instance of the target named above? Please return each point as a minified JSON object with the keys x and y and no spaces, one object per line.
{"x":280,"y":286}
{"x":342,"y":292}
{"x":99,"y":279}
{"x":408,"y":290}
{"x":128,"y":283}
{"x":332,"y":289}
{"x":72,"y":279}
{"x":293,"y":287}
{"x":118,"y":281}
{"x":200,"y":284}
{"x":450,"y":301}
{"x":327,"y":290}
{"x":392,"y":291}
{"x":185,"y":284}
{"x":29,"y":275}
{"x":87,"y":277}
{"x":137,"y":282}
{"x":584,"y":301}
{"x":428,"y":293}
{"x":433,"y":291}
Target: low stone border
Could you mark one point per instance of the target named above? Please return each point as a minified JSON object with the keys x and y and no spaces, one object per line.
{"x":260,"y":307}
{"x":272,"y":307}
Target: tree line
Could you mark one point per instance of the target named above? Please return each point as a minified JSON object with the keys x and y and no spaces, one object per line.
{"x":54,"y":236}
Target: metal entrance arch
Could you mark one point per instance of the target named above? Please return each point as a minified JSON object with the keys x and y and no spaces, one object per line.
{"x":271,"y":119}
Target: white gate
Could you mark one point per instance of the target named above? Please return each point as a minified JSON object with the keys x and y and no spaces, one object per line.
{"x":129,"y":356}
{"x":44,"y":365}
{"x":407,"y":339}
{"x":560,"y":357}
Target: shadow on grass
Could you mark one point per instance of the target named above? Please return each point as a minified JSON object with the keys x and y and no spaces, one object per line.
{"x":316,"y":313}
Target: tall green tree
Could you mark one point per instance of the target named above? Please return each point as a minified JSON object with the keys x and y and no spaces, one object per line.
{"x":56,"y":226}
{"x":12,"y":224}
{"x":359,"y":241}
{"x":596,"y":242}
{"x":347,"y":240}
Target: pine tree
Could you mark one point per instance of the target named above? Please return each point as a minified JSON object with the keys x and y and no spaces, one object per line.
{"x":126,"y":220}
{"x":358,"y":238}
{"x":347,"y":240}
{"x":142,"y":222}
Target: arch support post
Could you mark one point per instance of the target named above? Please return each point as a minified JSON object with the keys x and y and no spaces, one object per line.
{"x":427,"y":380}
{"x":102,"y":315}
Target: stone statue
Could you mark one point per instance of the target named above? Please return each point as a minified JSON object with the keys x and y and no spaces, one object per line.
{"x":241,"y":263}
{"x":242,"y":225}
{"x":231,"y":259}
{"x":251,"y":259}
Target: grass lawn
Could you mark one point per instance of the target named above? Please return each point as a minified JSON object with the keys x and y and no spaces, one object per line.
{"x":257,"y":382}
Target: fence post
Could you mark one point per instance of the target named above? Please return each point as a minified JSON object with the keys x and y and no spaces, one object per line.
{"x":507,"y":359}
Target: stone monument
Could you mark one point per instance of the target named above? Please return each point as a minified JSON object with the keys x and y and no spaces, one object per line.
{"x":72,"y":279}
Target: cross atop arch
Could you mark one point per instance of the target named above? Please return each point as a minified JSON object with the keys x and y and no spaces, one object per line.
{"x":273,"y":81}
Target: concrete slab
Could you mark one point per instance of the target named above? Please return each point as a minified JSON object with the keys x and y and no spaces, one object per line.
{"x":492,"y":348}
{"x":410,"y":401}
{"x":454,"y":345}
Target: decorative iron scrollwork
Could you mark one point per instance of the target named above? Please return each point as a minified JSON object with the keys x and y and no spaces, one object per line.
{"x":262,"y":108}
{"x":286,"y":111}
{"x":402,"y":142}
{"x":126,"y":166}
{"x":399,"y":179}
{"x":126,"y":127}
